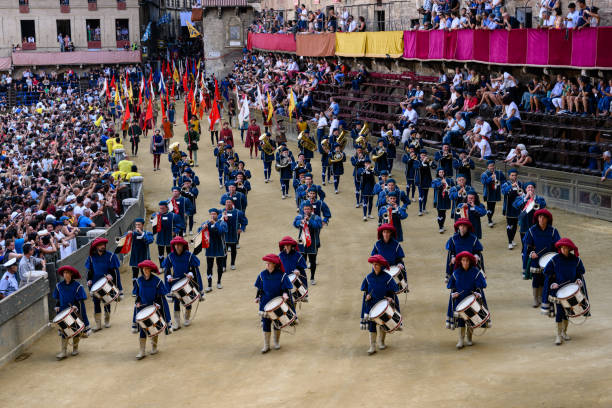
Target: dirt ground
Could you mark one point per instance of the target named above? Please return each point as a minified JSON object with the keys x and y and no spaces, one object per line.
{"x":217,"y":361}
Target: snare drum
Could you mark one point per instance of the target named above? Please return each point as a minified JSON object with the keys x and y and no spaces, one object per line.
{"x":544,"y":259}
{"x":571,"y":298}
{"x":279,"y":311}
{"x":104,"y":290}
{"x":151,"y":320}
{"x":398,"y":277}
{"x":472,"y":311}
{"x":68,"y":322}
{"x":299,"y":291}
{"x":185,"y":290}
{"x":384,"y":314}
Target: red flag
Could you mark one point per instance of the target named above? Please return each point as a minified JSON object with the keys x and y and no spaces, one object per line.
{"x":163,"y":111}
{"x":214,"y":115}
{"x":149,"y":114}
{"x":186,"y":114}
{"x":127,"y":114}
{"x":185,"y":82}
{"x":190,"y":95}
{"x":112,"y":84}
{"x":217,"y":94}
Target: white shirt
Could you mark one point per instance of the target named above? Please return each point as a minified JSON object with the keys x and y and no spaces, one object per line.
{"x":322,"y":122}
{"x":485,"y":148}
{"x":483,"y":130}
{"x":574,"y":17}
{"x":457,"y":79}
{"x":335,"y":124}
{"x":411,"y":115}
{"x":509,"y":109}
{"x":353,"y":26}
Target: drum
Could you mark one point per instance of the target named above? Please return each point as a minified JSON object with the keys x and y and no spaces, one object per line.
{"x":472,"y":311}
{"x":544,"y":259}
{"x":398,"y":277}
{"x":571,"y":298}
{"x":104,"y":290}
{"x":384,"y":314}
{"x":279,"y":312}
{"x":185,"y":290}
{"x":68,"y":322}
{"x":151,"y":320}
{"x":299,"y":291}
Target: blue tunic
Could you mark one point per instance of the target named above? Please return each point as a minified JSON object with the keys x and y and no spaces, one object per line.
{"x":445,"y":163}
{"x":378,"y":287}
{"x":177,"y":266}
{"x":270,"y":285}
{"x":314,"y":226}
{"x":367,"y":181}
{"x":526,"y":220}
{"x":490,"y":192}
{"x":410,"y":169}
{"x":220,"y":158}
{"x":540,"y":241}
{"x":392,"y":251}
{"x":382,"y":197}
{"x":171,"y":224}
{"x":510,"y":196}
{"x":286,"y":173}
{"x":292,"y":261}
{"x":239,"y":200}
{"x":465,"y":170}
{"x":158,"y":144}
{"x":423,"y":174}
{"x":72,"y":294}
{"x":235,"y":221}
{"x":562,"y":270}
{"x":358,"y":163}
{"x":474,"y":214}
{"x":459,"y":243}
{"x":184,"y":205}
{"x":319,"y":208}
{"x":217,"y":239}
{"x":465,"y":282}
{"x":397,"y":216}
{"x":140,"y":247}
{"x":98,"y":266}
{"x":442,"y":199}
{"x":338,"y":167}
{"x":148,"y":292}
{"x":301,"y":191}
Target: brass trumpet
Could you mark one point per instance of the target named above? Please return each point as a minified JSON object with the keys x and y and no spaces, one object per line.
{"x":361,"y":141}
{"x":379,"y":152}
{"x":266,"y":146}
{"x":337,"y":156}
{"x":325,"y":144}
{"x":342,"y":139}
{"x":307,"y":142}
{"x":365,"y":129}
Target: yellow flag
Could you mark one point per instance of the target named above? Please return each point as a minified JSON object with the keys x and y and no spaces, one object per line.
{"x":131,"y":93}
{"x":192,"y":31}
{"x":98,"y":121}
{"x":270,"y":108}
{"x":291,"y":103}
{"x":176,"y":76}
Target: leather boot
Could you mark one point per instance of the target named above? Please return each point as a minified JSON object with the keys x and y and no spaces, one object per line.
{"x":187,"y":321}
{"x":176,"y":323}
{"x":63,"y":347}
{"x":107,"y":319}
{"x":381,"y":338}
{"x":98,"y":320}
{"x":372,"y":348}
{"x":536,"y":299}
{"x":469,"y":333}
{"x":277,"y":334}
{"x":154,"y":345}
{"x":266,"y":346}
{"x":564,"y":331}
{"x":461,"y":336}
{"x":75,"y":345}
{"x":141,"y":353}
{"x":559,"y":339}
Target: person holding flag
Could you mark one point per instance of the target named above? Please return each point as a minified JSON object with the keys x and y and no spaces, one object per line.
{"x":214,"y":118}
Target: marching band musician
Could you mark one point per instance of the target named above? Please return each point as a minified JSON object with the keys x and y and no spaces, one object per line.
{"x":391,"y":187}
{"x":511,"y":189}
{"x":376,"y":286}
{"x":180,"y":264}
{"x":389,"y":248}
{"x":358,"y":162}
{"x":67,"y":293}
{"x":190,"y":192}
{"x":175,"y":157}
{"x":379,"y":155}
{"x":465,"y":280}
{"x":102,"y":264}
{"x":267,"y":159}
{"x":141,"y":240}
{"x":252,"y":141}
{"x":474,"y":210}
{"x":229,"y":167}
{"x":337,"y":166}
{"x":381,"y":185}
{"x":236,"y":225}
{"x":458,"y":194}
{"x":442,"y":201}
{"x":390,"y":140}
{"x":242,"y":185}
{"x":325,"y":165}
{"x":293,"y":261}
{"x":409,"y":158}
{"x":188,"y":173}
{"x":285,"y":165}
{"x":491,"y":181}
{"x":270,"y":283}
{"x":219,"y":153}
{"x":216,"y":249}
{"x":318,"y":206}
{"x":562,"y":269}
{"x":444,"y":159}
{"x":538,"y":240}
{"x":392,"y":213}
{"x":308,"y":183}
{"x":279,"y":150}
{"x":526,"y":219}
{"x":239,"y":199}
{"x":314,"y":224}
{"x":367,"y":183}
{"x":229,"y":152}
{"x":298,"y":181}
{"x":464,"y":165}
{"x":302,"y":126}
{"x":423,"y":179}
{"x":167,"y":225}
{"x":301,"y":164}
{"x":241,"y":170}
{"x":150,"y":290}
{"x":182,"y":206}
{"x":462,"y":240}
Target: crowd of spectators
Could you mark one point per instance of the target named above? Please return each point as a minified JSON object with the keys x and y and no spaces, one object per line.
{"x":308,"y":21}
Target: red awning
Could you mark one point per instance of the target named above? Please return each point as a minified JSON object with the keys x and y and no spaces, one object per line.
{"x":224,"y":3}
{"x":75,"y":58}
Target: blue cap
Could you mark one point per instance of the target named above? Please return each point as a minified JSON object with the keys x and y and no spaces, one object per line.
{"x":308,"y":175}
{"x":186,"y":180}
{"x":460,"y":175}
{"x":512,"y":171}
{"x":63,"y":218}
{"x":529,"y":183}
{"x":384,"y":173}
{"x":393,"y":194}
{"x":311,"y":189}
{"x":423,"y":151}
{"x":164,"y":202}
{"x":213,"y":210}
{"x":139,"y":220}
{"x":307,"y":204}
{"x":175,"y":188}
{"x":391,"y":180}
{"x":490,"y":162}
{"x":227,"y":147}
{"x":231,"y":183}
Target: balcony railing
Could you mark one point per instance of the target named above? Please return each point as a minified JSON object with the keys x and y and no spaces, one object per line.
{"x":92,"y":5}
{"x":28,"y":46}
{"x":121,"y":5}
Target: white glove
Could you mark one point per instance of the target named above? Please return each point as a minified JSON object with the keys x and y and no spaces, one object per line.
{"x":190,"y":274}
{"x":554,"y":286}
{"x":261,"y":313}
{"x":366,"y":317}
{"x":169,"y":278}
{"x":579,"y":282}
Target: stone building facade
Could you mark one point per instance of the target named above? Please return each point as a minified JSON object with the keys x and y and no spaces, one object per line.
{"x":90,"y":24}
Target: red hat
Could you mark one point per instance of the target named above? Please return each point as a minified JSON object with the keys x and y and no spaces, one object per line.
{"x":568,"y":243}
{"x":464,"y":221}
{"x":543,"y":211}
{"x":386,"y":227}
{"x":149,"y":264}
{"x":464,"y":254}
{"x":379,"y":259}
{"x":287,"y":241}
{"x":178,"y":240}
{"x":275,"y":260}
{"x":96,"y":242}
{"x":75,"y":273}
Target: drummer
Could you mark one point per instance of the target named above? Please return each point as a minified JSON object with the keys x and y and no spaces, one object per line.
{"x":538,"y":240}
{"x":389,"y":248}
{"x":377,"y":286}
{"x":465,"y":280}
{"x":293,"y":261}
{"x":463,"y":240}
{"x":150,"y":290}
{"x":141,"y":240}
{"x":68,"y":293}
{"x":180,"y":264}
{"x":562,"y":269}
{"x":102,"y":264}
{"x":270,"y":283}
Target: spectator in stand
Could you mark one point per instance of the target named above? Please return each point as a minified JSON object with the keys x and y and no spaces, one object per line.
{"x":437,"y":95}
{"x":455,"y":129}
{"x":471,"y":105}
{"x":409,"y":114}
{"x":361,"y":27}
{"x":603,"y":105}
{"x":482,"y":128}
{"x":510,"y":118}
{"x":514,"y":154}
{"x":571,"y":21}
{"x":482,"y":146}
{"x":607,"y":166}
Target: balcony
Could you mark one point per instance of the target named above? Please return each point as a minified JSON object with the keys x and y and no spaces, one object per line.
{"x":94,"y":45}
{"x":92,"y":5}
{"x":121,"y":5}
{"x":24,"y":8}
{"x":122,"y":43}
{"x":28,"y":46}
{"x":65,"y":8}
